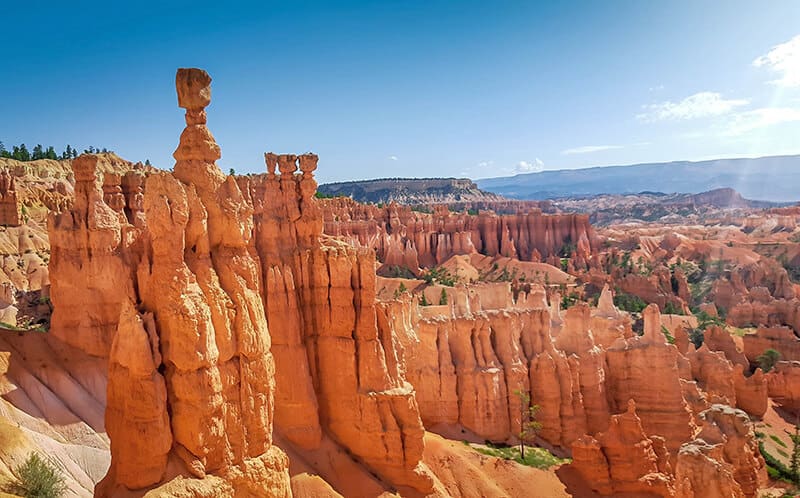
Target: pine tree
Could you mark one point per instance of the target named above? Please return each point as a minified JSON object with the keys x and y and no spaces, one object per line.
{"x":38,"y":152}
{"x":74,"y":153}
{"x":3,"y":151}
{"x":147,"y":162}
{"x":50,"y":153}
{"x":24,"y":155}
{"x":528,"y":426}
{"x":795,"y":459}
{"x":443,"y":298}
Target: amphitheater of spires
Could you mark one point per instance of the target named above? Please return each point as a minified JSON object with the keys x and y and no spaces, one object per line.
{"x":234,"y":323}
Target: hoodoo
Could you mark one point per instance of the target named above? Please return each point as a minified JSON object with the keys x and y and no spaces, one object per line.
{"x":209,"y":276}
{"x":247,"y":347}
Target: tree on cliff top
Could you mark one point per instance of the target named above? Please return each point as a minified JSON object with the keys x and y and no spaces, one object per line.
{"x":528,"y":426}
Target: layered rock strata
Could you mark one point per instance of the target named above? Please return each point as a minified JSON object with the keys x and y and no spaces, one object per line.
{"x":411,"y":239}
{"x":187,"y":282}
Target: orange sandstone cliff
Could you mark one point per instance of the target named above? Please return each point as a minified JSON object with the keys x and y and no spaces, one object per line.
{"x":236,"y":322}
{"x":187,"y":284}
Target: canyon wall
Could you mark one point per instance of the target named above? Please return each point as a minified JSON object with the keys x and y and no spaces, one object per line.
{"x":585,"y":370}
{"x":411,"y":239}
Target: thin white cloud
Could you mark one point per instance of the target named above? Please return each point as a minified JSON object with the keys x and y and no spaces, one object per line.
{"x":783,"y":59}
{"x":588,"y":149}
{"x":393,"y":158}
{"x":656,"y":88}
{"x":485,"y":164}
{"x":535,"y":166}
{"x":699,"y":105}
{"x":745,"y":122}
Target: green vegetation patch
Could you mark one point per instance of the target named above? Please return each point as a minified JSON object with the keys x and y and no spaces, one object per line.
{"x":629,"y":302}
{"x":38,"y":477}
{"x":535,"y":457}
{"x":777,"y":440}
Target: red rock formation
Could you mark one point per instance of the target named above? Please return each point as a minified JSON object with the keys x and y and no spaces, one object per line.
{"x":623,"y":460}
{"x":714,"y":374}
{"x":331,"y":359}
{"x":225,"y":313}
{"x":701,"y":471}
{"x":659,"y":399}
{"x":201,"y":272}
{"x":10,"y":207}
{"x":783,"y":383}
{"x":467,"y":366}
{"x":751,"y":392}
{"x":88,"y":252}
{"x":717,"y":339}
{"x":412,"y":239}
{"x":723,"y":460}
{"x":781,"y":339}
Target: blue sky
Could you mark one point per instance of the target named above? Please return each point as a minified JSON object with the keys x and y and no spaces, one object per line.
{"x":429,"y":88}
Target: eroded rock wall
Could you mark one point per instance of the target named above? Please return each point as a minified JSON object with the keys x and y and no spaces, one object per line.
{"x":413,"y":239}
{"x":187,"y":282}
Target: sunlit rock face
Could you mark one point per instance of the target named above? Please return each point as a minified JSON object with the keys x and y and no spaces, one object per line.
{"x":184,"y":281}
{"x":412,"y":239}
{"x":236,"y":330}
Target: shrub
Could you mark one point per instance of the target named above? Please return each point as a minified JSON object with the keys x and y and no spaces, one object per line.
{"x":671,"y":309}
{"x":569,"y":300}
{"x":775,"y":468}
{"x":768,"y":359}
{"x":38,"y":477}
{"x":668,"y":335}
{"x":629,"y":303}
{"x":777,"y":440}
{"x":441,"y":276}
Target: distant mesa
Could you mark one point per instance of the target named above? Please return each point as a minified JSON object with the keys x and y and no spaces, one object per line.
{"x":773,"y":178}
{"x":410,"y":190}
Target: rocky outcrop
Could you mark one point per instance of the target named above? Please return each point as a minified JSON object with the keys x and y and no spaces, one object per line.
{"x":660,"y":403}
{"x":723,"y":460}
{"x":467,"y":363}
{"x":411,"y":239}
{"x":714,"y":374}
{"x":783,"y":383}
{"x":88,"y":256}
{"x":781,"y":339}
{"x":752,"y":393}
{"x":10,"y":207}
{"x":333,"y":365}
{"x":623,"y":460}
{"x":726,"y":384}
{"x":187,"y":282}
{"x":717,"y":339}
